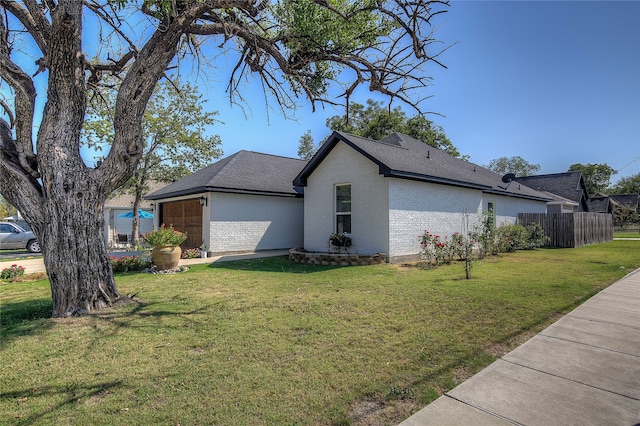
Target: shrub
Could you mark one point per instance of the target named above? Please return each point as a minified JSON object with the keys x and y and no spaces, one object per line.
{"x":435,"y":250}
{"x":12,"y":272}
{"x":512,"y":238}
{"x":536,"y":236}
{"x":165,"y":237}
{"x":485,"y":235}
{"x":130,"y":263}
{"x":192,"y":253}
{"x":339,"y":241}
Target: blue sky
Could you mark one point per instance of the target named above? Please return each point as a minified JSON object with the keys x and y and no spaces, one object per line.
{"x":556,"y":83}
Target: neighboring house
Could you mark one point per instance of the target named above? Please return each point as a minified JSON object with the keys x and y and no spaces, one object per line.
{"x":117,"y":229}
{"x":244,"y":202}
{"x":600,"y":203}
{"x":569,"y":185}
{"x":624,"y":207}
{"x":628,"y":200}
{"x":386,"y":193}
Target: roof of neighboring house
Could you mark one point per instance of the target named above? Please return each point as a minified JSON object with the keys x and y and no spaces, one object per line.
{"x":600,"y":204}
{"x":630,"y":200}
{"x":569,"y":185}
{"x":125,"y":201}
{"x":557,"y":199}
{"x":404,"y":157}
{"x":243,"y":172}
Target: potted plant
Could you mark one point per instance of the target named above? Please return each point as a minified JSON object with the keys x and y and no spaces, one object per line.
{"x":203,"y":250}
{"x":166,"y":246}
{"x":340,"y":241}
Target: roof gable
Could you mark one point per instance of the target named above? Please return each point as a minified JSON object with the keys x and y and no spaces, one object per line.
{"x":242,"y":172}
{"x":404,"y":157}
{"x":569,"y":185}
{"x":125,"y":200}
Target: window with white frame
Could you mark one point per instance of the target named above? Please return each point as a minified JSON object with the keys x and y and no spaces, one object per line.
{"x":343,"y":208}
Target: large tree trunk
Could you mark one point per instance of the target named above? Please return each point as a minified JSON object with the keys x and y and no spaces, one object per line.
{"x":73,"y":195}
{"x":61,"y":198}
{"x":74,"y":252}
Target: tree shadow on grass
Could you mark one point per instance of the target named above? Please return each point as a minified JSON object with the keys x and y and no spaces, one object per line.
{"x":71,"y":392}
{"x":280,"y":264}
{"x":24,"y":318}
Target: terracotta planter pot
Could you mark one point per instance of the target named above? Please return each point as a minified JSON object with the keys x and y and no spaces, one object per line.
{"x":166,"y":257}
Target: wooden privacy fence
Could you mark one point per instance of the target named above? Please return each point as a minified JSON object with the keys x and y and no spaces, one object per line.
{"x":572,"y":229}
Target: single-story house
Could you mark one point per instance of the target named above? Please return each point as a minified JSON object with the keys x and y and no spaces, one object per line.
{"x":569,"y":185}
{"x":386,"y":193}
{"x":601,"y":203}
{"x":631,"y":201}
{"x":622,"y":206}
{"x":117,"y":220}
{"x":244,"y":202}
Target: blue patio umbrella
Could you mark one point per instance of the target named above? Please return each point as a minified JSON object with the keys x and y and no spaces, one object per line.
{"x":143,"y":214}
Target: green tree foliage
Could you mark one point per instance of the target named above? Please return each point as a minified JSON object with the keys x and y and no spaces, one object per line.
{"x":597,"y":177}
{"x":377,"y":122}
{"x":6,"y":209}
{"x":306,"y":146}
{"x":627,"y":185}
{"x":516,"y":165}
{"x":174,"y":140}
{"x":295,"y":49}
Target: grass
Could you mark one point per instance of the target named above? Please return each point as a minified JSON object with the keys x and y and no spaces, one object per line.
{"x":267,"y":341}
{"x":626,"y":234}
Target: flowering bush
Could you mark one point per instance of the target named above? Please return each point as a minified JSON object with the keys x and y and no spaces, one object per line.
{"x":192,"y":253}
{"x":462,"y":246}
{"x":536,"y":236}
{"x":11,"y":272}
{"x":165,"y":237}
{"x":434,"y":249}
{"x":129,"y":263}
{"x":512,"y":238}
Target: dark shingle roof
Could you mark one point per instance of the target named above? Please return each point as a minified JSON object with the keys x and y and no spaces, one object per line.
{"x":630,"y":200}
{"x":599,"y":204}
{"x":568,"y":185}
{"x":404,"y":157}
{"x":244,"y":172}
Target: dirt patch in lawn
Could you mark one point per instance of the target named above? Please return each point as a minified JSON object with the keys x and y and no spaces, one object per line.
{"x":380,"y":413}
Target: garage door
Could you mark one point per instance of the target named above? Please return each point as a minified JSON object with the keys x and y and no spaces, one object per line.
{"x":185,"y":216}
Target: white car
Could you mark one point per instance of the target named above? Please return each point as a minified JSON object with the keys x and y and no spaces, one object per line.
{"x":14,"y":237}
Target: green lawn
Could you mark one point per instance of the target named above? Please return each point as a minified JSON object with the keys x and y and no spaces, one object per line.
{"x":626,"y":234}
{"x":271,"y":342}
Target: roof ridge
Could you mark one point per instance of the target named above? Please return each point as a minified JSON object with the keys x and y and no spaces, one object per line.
{"x":270,"y":155}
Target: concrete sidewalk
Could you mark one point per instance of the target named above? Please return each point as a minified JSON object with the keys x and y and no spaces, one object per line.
{"x":582,"y":370}
{"x":37,"y":264}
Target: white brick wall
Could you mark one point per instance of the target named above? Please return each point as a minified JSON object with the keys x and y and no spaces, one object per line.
{"x":369,"y":201}
{"x":507,"y":208}
{"x":242,"y":222}
{"x":418,"y":206}
{"x":389,"y":214}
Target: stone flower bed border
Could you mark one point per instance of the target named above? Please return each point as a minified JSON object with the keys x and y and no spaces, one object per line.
{"x":299,"y":255}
